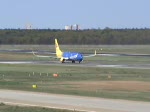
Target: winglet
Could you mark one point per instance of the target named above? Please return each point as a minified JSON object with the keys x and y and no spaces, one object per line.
{"x":33,"y":53}
{"x":95,"y":53}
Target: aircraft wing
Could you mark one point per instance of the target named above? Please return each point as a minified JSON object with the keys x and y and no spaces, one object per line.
{"x":91,"y":55}
{"x":44,"y":56}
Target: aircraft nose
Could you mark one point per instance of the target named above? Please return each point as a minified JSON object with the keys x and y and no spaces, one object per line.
{"x":80,"y":57}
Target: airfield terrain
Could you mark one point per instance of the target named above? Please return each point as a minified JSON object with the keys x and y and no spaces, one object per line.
{"x":117,"y":72}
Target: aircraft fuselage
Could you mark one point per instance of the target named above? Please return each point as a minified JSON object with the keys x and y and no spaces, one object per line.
{"x":73,"y":56}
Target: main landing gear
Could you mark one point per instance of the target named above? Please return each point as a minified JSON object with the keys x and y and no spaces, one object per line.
{"x":63,"y":61}
{"x":73,"y":61}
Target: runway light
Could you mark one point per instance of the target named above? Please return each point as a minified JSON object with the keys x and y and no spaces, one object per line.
{"x":34,"y":86}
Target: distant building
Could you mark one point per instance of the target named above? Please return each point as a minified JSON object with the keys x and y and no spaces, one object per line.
{"x":28,"y":26}
{"x":72,"y":27}
{"x":67,"y":27}
{"x":77,"y":27}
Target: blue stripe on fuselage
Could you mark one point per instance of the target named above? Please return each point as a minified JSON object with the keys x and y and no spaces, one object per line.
{"x":73,"y":56}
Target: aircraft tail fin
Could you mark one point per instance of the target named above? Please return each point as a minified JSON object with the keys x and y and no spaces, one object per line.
{"x":59,"y":53}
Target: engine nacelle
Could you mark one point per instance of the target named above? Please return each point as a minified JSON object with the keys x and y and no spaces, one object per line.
{"x":62,"y":60}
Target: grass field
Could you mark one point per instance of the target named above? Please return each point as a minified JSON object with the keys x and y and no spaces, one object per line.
{"x":132,"y":84}
{"x":117,"y":83}
{"x":123,"y":49}
{"x":8,"y":108}
{"x":102,"y":59}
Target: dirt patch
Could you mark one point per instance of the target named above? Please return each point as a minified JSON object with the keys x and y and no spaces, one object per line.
{"x":110,"y":85}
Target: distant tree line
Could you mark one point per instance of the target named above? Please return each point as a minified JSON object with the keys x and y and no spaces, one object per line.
{"x":91,"y":36}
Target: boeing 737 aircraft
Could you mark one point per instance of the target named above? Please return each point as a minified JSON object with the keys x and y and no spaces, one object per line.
{"x":66,"y":56}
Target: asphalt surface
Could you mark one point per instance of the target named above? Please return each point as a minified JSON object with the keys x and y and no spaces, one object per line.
{"x":87,"y":64}
{"x":71,"y":102}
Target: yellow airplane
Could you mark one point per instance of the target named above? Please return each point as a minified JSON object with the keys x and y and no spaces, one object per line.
{"x":66,"y":56}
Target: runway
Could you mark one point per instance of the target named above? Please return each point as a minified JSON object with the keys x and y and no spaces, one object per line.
{"x":83,"y":64}
{"x":71,"y":102}
{"x":86,"y":64}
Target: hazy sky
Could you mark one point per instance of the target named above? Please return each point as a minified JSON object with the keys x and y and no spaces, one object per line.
{"x":55,"y":14}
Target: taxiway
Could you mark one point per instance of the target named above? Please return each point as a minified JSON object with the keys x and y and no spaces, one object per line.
{"x":71,"y":102}
{"x":91,"y":64}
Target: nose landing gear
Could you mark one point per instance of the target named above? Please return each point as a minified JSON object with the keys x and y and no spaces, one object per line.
{"x":73,"y":61}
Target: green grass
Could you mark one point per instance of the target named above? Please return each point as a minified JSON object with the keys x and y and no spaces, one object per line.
{"x":75,"y":73}
{"x":8,"y":108}
{"x":119,"y":60}
{"x":125,"y":49}
{"x":20,"y":77}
